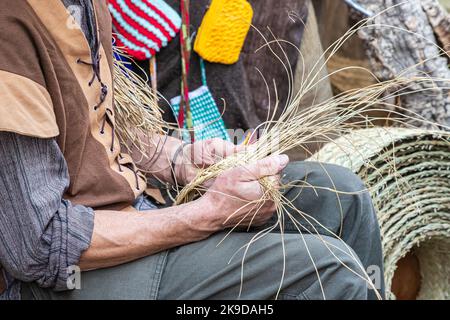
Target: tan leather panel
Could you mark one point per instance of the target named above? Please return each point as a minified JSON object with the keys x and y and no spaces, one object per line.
{"x":33,"y":109}
{"x":74,"y":46}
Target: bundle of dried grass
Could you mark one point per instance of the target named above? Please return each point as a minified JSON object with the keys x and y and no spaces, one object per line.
{"x":408,"y":174}
{"x":322,"y":122}
{"x":137,"y":114}
{"x":319,"y":123}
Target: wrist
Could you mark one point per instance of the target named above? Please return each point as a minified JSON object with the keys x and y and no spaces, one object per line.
{"x":177,"y":164}
{"x":202,"y":216}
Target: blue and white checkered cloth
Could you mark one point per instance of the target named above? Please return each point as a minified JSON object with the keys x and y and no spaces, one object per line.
{"x":207,"y":120}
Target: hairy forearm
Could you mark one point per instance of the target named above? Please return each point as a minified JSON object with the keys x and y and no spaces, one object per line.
{"x":120,"y":237}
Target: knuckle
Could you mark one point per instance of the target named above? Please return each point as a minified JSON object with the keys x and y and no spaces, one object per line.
{"x":266,"y":166}
{"x":223,"y":180}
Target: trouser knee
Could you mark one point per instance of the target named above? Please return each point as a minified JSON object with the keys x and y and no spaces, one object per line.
{"x":331,"y":194}
{"x":342,"y":278}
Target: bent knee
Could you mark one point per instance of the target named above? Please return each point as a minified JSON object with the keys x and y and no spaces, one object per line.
{"x":325,"y":175}
{"x":329,"y":180}
{"x":341,"y":178}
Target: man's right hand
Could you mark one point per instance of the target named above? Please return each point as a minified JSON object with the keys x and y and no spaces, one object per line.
{"x":120,"y":237}
{"x":235,"y":196}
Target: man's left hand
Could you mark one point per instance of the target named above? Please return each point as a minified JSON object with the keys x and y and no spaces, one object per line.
{"x":200,"y":155}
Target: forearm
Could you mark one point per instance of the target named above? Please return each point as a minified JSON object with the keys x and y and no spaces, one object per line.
{"x":120,"y":237}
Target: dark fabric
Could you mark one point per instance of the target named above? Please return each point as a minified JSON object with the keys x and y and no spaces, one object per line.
{"x":83,"y":12}
{"x":273,"y":20}
{"x":205,"y":270}
{"x":227,"y":83}
{"x":211,"y":269}
{"x":239,"y":89}
{"x":41,"y":234}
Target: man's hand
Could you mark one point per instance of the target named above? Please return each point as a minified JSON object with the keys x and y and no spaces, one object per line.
{"x":200,"y":155}
{"x":235,"y":196}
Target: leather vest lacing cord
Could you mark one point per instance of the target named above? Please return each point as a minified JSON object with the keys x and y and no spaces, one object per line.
{"x":109,"y":113}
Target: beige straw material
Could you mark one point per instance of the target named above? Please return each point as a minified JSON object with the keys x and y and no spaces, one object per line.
{"x":137,"y":114}
{"x":408,"y":174}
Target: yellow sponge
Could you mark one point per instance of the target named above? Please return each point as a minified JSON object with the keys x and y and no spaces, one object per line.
{"x":223,"y":31}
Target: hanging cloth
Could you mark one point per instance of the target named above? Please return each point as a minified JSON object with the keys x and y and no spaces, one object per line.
{"x":224,"y":28}
{"x":143,"y":27}
{"x":205,"y":114}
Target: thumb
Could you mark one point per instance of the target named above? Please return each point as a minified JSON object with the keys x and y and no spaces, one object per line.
{"x":269,"y":166}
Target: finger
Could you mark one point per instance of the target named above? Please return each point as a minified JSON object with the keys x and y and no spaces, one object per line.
{"x":206,"y":153}
{"x":208,"y":183}
{"x":200,"y":154}
{"x":246,"y":148}
{"x":263,"y":217}
{"x":269,"y":166}
{"x":220,"y":149}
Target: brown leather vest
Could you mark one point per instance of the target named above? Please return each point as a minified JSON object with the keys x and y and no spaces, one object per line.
{"x":53,"y":97}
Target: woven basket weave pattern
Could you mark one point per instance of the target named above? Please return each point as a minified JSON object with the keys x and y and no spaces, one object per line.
{"x":408,"y":174}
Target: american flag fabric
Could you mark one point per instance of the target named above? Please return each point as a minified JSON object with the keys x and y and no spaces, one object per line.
{"x":143,"y":27}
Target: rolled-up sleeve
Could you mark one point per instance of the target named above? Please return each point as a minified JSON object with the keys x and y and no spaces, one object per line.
{"x":41,"y":234}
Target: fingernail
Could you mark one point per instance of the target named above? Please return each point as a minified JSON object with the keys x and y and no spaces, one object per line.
{"x":284,"y":160}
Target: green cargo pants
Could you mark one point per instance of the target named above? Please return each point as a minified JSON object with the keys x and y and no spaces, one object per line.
{"x":306,"y":261}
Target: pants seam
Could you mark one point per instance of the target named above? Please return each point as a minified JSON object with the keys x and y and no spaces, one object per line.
{"x":156,"y":283}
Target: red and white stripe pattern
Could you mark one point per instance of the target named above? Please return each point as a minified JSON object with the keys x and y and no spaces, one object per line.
{"x":143,"y":27}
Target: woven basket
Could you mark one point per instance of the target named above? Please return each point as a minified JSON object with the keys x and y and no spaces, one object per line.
{"x":408,"y":174}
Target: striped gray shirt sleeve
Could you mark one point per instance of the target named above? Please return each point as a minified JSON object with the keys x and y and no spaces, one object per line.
{"x":41,"y":234}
